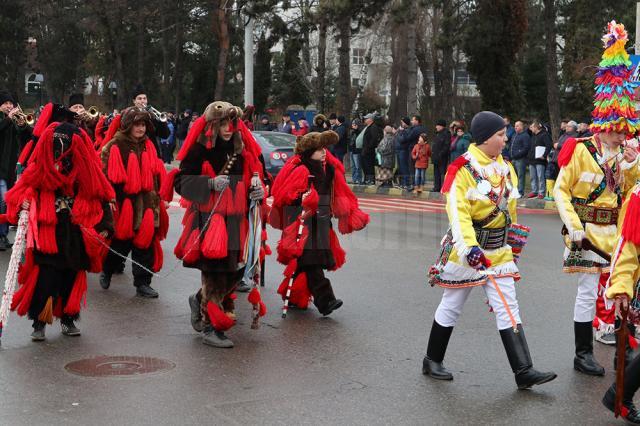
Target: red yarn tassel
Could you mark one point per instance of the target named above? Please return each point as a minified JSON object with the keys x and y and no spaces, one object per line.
{"x":300,"y":294}
{"x":115,"y":166}
{"x":191,"y":248}
{"x":25,"y":268}
{"x":310,"y":202}
{"x":22,"y":298}
{"x":47,"y":239}
{"x":288,"y":247}
{"x":244,"y":233}
{"x":144,"y":236}
{"x":207,"y":170}
{"x":214,"y":244}
{"x":452,"y":170}
{"x":43,"y":120}
{"x":133,"y":184}
{"x":219,"y":320}
{"x":158,"y":255}
{"x":26,"y":153}
{"x":77,"y":294}
{"x":291,"y":268}
{"x":47,"y":208}
{"x":631,"y":225}
{"x":254,"y":296}
{"x":124,"y":225}
{"x":263,"y":309}
{"x":566,"y":152}
{"x":166,"y":190}
{"x":194,"y":133}
{"x":96,"y":248}
{"x":146,"y":172}
{"x":240,"y":200}
{"x":163,"y":228}
{"x":113,"y":128}
{"x":87,"y":212}
{"x":339,"y":255}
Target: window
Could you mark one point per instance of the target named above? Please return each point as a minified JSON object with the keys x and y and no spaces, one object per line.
{"x":355,"y":82}
{"x":358,"y":56}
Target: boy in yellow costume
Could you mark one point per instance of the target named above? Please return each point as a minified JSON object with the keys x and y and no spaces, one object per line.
{"x":481,"y":191}
{"x":595,"y":174}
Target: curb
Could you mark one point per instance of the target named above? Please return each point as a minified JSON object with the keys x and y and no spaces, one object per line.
{"x":533,"y":204}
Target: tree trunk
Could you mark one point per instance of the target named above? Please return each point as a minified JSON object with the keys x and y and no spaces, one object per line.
{"x":322,"y":66}
{"x":393,"y":87}
{"x":423,"y":63}
{"x":164,"y":46}
{"x":140,"y":57}
{"x":221,"y":27}
{"x":177,"y":78}
{"x":553,"y":92}
{"x":446,"y":44}
{"x":412,"y":66}
{"x":403,"y":74}
{"x":344,"y":71}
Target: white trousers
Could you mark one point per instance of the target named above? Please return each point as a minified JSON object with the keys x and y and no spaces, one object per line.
{"x":585,"y":307}
{"x":453,"y":300}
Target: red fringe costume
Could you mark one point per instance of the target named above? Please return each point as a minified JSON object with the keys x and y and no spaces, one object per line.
{"x":318,"y":248}
{"x":69,"y":206}
{"x":141,"y":221}
{"x":217,"y":248}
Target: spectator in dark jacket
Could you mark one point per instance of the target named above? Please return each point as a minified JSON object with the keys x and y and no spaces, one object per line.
{"x":183,"y":127}
{"x":370,"y":140}
{"x":264,"y":125}
{"x":402,"y":152}
{"x":583,"y":131}
{"x":519,"y":150}
{"x":541,"y":146}
{"x":412,"y":137}
{"x":285,"y":125}
{"x":356,"y":151}
{"x":460,"y":144}
{"x":570,"y":131}
{"x":339,"y":150}
{"x":440,"y":154}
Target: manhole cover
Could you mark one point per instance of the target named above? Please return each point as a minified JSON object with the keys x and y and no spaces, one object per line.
{"x":104,"y":366}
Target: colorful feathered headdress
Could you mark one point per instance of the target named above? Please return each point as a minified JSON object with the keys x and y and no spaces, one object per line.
{"x":614,"y":98}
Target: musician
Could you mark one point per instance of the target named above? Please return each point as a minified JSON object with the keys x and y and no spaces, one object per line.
{"x":219,"y":159}
{"x":595,"y":175}
{"x":83,"y":119}
{"x":70,"y":212}
{"x":158,"y":128}
{"x":481,"y":190}
{"x":131,"y":164}
{"x":315,"y":203}
{"x":13,"y":129}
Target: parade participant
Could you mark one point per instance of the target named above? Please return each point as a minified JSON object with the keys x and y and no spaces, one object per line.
{"x":296,"y":201}
{"x":68,"y":197}
{"x":159,"y":128}
{"x":12,"y":130}
{"x":595,"y":174}
{"x":220,"y":173}
{"x":622,"y":290}
{"x":131,"y":164}
{"x":83,"y":119}
{"x":481,"y":192}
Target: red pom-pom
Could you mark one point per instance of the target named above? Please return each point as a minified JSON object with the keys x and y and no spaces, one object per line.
{"x":146,"y":171}
{"x":263,"y":235}
{"x":191,"y":248}
{"x":158,"y":255}
{"x":96,"y":247}
{"x":133,"y":184}
{"x":166,"y":190}
{"x":77,"y":294}
{"x":310,"y":202}
{"x":263,"y":309}
{"x":339,"y":254}
{"x":115,"y":166}
{"x":219,"y":320}
{"x":214,"y":244}
{"x":633,"y":342}
{"x":290,"y":246}
{"x":124,"y":224}
{"x":291,"y":268}
{"x":144,"y":236}
{"x":254,"y":296}
{"x":267,"y":250}
{"x":300,"y":294}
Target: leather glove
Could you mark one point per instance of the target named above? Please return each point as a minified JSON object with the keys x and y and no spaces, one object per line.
{"x":476,"y":258}
{"x":256,"y":193}
{"x":219,"y":183}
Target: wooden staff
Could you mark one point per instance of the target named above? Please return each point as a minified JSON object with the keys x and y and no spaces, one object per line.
{"x":621,"y":348}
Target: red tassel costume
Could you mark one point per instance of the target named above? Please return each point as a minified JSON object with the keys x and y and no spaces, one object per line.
{"x":132,"y":166}
{"x":318,"y":247}
{"x":68,"y":198}
{"x":218,"y":144}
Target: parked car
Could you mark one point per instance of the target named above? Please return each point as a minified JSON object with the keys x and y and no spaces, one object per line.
{"x":277,"y":148}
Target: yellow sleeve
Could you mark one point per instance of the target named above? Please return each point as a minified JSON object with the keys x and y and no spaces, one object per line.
{"x":631,"y":173}
{"x":567,"y":179}
{"x":512,"y":203}
{"x":459,"y":212}
{"x":625,"y":263}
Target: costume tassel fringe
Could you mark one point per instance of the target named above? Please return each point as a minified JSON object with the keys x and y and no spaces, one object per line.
{"x":191,"y":250}
{"x":220,"y":321}
{"x":77,"y":294}
{"x":133,"y":184}
{"x":166,"y":190}
{"x":146,"y":171}
{"x":214,"y":245}
{"x":158,"y":255}
{"x":22,"y":298}
{"x":339,"y":255}
{"x":115,"y":167}
{"x":124,"y":225}
{"x":46,"y":315}
{"x":144,"y":236}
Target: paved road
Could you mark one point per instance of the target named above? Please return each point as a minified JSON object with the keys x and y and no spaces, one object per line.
{"x":361,"y":365}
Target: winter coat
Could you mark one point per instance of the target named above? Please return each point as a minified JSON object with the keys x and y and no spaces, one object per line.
{"x":269,"y":127}
{"x":441,"y":146}
{"x":542,"y":139}
{"x":421,"y":154}
{"x":10,"y":136}
{"x":183,"y":127}
{"x":352,"y":141}
{"x":561,"y":141}
{"x":300,"y":131}
{"x":520,"y":145}
{"x":459,"y":146}
{"x":343,"y":141}
{"x":285,"y":127}
{"x":409,"y":138}
{"x":372,"y":138}
{"x":387,"y":152}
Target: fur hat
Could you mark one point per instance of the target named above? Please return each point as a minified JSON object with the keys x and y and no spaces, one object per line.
{"x":315,"y":140}
{"x":6,"y":97}
{"x":75,"y":99}
{"x":138,"y":90}
{"x":220,"y":110}
{"x":319,"y":120}
{"x":133,"y":115}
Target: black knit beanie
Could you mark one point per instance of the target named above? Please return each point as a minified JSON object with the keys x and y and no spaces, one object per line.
{"x":484,"y":125}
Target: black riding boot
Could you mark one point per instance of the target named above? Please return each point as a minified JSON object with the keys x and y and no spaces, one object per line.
{"x":628,"y":353}
{"x":631,"y":385}
{"x":584,"y":361}
{"x":438,"y":342}
{"x":515,"y":344}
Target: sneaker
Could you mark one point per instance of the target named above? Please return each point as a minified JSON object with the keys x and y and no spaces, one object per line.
{"x":38,"y":331}
{"x":243,"y":287}
{"x":216,"y":339}
{"x":606,"y":338}
{"x":145,"y":290}
{"x":105,"y":280}
{"x":69,"y":328}
{"x":532,"y":195}
{"x":196,"y":313}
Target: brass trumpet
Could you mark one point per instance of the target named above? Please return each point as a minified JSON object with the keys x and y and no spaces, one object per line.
{"x":161,"y":116}
{"x":89,"y":114}
{"x":21,"y":118}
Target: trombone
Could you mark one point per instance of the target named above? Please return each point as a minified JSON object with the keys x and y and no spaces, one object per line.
{"x":21,"y":118}
{"x":161,"y":116}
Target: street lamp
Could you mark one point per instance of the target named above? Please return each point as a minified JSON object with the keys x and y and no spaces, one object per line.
{"x":113,"y":87}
